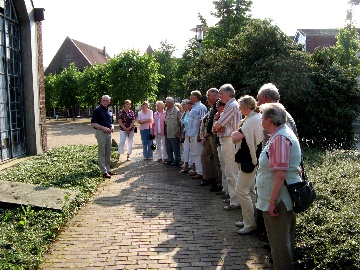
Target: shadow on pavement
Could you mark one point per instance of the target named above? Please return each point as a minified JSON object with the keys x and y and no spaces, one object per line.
{"x":180,"y":221}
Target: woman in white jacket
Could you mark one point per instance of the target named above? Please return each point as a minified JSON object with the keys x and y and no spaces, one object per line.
{"x":249,"y":144}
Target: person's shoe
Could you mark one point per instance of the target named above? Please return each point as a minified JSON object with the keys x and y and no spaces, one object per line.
{"x":239,"y":224}
{"x":168,"y":162}
{"x":159,"y":160}
{"x":198,"y":176}
{"x":175,"y":163}
{"x":226,"y":196}
{"x":204,"y":183}
{"x":128,"y":159}
{"x":215,"y":189}
{"x":231,"y":207}
{"x":112,"y":173}
{"x":183,"y":171}
{"x":106,"y":175}
{"x":220,"y":193}
{"x":226,"y":201}
{"x":246,"y":230}
{"x":192,"y":173}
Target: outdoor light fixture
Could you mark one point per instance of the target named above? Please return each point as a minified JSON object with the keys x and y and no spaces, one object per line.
{"x":199,"y":30}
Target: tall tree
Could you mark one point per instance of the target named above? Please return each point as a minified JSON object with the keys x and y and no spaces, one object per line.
{"x":67,"y":89}
{"x":133,"y":76}
{"x":169,"y":84}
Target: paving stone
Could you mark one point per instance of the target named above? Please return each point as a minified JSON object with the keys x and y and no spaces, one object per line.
{"x":152,"y":217}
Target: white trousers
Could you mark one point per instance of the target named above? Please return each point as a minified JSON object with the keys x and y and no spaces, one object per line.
{"x":195,"y":150}
{"x":245,"y":192}
{"x":231,"y":167}
{"x":124,"y":138}
{"x":160,"y":147}
{"x":223,"y":176}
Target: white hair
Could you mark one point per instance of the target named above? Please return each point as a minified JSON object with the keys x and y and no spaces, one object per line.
{"x":170,"y":99}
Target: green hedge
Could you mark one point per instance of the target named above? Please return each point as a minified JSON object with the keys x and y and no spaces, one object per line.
{"x":328,"y":235}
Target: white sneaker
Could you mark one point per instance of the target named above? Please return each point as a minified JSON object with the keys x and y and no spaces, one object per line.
{"x":239,"y":224}
{"x":246,"y":230}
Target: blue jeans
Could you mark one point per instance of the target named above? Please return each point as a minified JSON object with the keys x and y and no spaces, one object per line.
{"x":146,"y":143}
{"x":173,"y":149}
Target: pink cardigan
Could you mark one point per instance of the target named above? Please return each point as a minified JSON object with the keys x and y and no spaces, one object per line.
{"x":162,"y":122}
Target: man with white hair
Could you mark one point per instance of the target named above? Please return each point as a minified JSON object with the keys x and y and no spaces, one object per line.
{"x":269,"y":93}
{"x":102,"y":120}
{"x":173,"y":129}
{"x":224,"y":127}
{"x":196,"y":114}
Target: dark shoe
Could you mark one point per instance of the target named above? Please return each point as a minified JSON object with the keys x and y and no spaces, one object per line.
{"x":215,"y":189}
{"x":226,"y":196}
{"x":159,"y":160}
{"x":175,"y":163}
{"x":112,"y":173}
{"x":168,"y":162}
{"x":220,"y":193}
{"x":198,"y":176}
{"x":204,"y":183}
{"x":106,"y":175}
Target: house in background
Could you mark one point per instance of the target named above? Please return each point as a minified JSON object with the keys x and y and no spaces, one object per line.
{"x":81,"y":54}
{"x":312,"y":39}
{"x":22,"y":98}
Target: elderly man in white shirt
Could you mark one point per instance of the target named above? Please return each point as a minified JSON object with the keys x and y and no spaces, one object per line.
{"x":225,"y":126}
{"x":196,"y":114}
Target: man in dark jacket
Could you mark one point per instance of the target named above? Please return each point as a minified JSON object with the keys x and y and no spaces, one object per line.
{"x":102,"y":120}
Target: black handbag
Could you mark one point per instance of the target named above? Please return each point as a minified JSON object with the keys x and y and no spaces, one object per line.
{"x":243,"y":157}
{"x":302,"y":193}
{"x":153,"y":146}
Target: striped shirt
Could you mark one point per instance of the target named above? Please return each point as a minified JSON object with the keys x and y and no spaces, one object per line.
{"x":230,"y":118}
{"x":279,"y":153}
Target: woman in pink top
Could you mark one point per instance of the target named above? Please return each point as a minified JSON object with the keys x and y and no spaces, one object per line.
{"x":159,"y":130}
{"x":145,"y":119}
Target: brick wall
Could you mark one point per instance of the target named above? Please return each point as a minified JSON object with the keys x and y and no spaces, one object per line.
{"x":41,"y":86}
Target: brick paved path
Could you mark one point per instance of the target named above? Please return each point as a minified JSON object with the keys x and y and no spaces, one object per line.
{"x":151,"y":217}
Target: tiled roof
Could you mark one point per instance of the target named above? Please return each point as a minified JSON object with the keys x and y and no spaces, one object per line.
{"x":318,"y":38}
{"x":92,"y":54}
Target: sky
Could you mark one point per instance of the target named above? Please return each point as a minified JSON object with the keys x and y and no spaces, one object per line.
{"x":123,"y":24}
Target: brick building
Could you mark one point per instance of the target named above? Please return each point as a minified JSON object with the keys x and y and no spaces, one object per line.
{"x":79,"y":53}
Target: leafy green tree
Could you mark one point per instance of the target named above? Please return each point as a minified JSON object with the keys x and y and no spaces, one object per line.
{"x":133,"y":76}
{"x":93,"y":84}
{"x":68,"y":89}
{"x":169,"y":84}
{"x":232,"y":15}
{"x":50,"y":93}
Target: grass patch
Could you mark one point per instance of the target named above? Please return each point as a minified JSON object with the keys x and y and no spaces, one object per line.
{"x":25,"y":233}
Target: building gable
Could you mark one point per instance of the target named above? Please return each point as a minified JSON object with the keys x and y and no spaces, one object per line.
{"x":81,"y":54}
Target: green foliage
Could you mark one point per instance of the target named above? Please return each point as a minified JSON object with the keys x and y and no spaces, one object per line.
{"x":168,"y":66}
{"x":347,"y":46}
{"x":133,"y":76}
{"x":328,"y":234}
{"x":332,"y":104}
{"x":93,"y":84}
{"x":26,"y":233}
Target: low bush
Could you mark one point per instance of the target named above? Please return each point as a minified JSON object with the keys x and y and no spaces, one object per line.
{"x":26,"y":233}
{"x":328,"y":234}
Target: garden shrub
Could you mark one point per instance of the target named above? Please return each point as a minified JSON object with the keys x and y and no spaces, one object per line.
{"x":328,"y":234}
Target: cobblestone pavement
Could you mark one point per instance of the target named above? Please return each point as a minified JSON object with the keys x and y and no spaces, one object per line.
{"x":151,"y":217}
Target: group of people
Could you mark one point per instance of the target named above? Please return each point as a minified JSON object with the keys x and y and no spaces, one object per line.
{"x":244,"y":150}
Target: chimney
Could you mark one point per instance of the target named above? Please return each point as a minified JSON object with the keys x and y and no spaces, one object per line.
{"x":104,"y":51}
